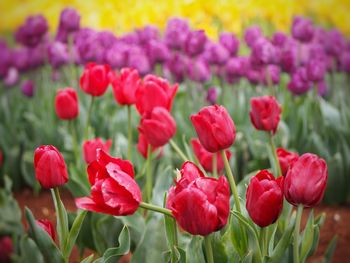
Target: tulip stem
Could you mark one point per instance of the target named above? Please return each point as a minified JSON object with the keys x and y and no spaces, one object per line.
{"x":74,"y":142}
{"x":149,"y":180}
{"x":215,"y":165}
{"x":61,"y":220}
{"x":296,"y":235}
{"x":263,"y":241}
{"x":231,"y":181}
{"x":129,"y":133}
{"x":178,"y":150}
{"x":274,"y":152}
{"x":155,"y":208}
{"x":86,"y":133}
{"x":208,"y":249}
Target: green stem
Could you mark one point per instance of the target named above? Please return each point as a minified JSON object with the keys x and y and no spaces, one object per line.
{"x":269,"y":81}
{"x":155,"y":208}
{"x":129,"y":133}
{"x":87,"y":125}
{"x":178,"y":151}
{"x":215,"y":165}
{"x":231,"y":181}
{"x":63,"y":227}
{"x":296,"y":235}
{"x":74,"y":142}
{"x":274,"y":152}
{"x":149,"y":180}
{"x":208,"y":249}
{"x":263,"y":241}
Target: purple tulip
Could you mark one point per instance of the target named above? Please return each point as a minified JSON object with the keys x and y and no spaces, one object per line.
{"x":147,"y":34}
{"x":20,"y":58}
{"x":106,"y":39}
{"x":57,"y":54}
{"x":236,"y":67}
{"x":345,"y":61}
{"x":270,"y":73}
{"x":176,"y":33}
{"x":302,"y":29}
{"x":252,"y":34}
{"x":27,"y":88}
{"x":215,"y":54}
{"x":157,"y":51}
{"x":69,"y":20}
{"x":254,"y":76}
{"x":12,"y":77}
{"x":263,"y":52}
{"x":230,"y":42}
{"x":212,"y":95}
{"x":5,"y":59}
{"x":316,"y":69}
{"x":279,"y":39}
{"x":32,"y":32}
{"x":199,"y":71}
{"x":288,"y":61}
{"x":195,"y":42}
{"x":299,"y":83}
{"x":177,"y":66}
{"x":88,"y":46}
{"x":117,"y":55}
{"x":137,"y":59}
{"x":37,"y":55}
{"x":131,"y":38}
{"x":334,"y":43}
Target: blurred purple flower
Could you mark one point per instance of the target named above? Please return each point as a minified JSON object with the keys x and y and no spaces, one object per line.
{"x":176,"y":33}
{"x":279,"y":39}
{"x":157,"y":51}
{"x":345,"y":61}
{"x":299,"y":83}
{"x":302,"y":29}
{"x":117,"y":55}
{"x":199,"y":71}
{"x":20,"y":58}
{"x":212,"y":95}
{"x":288,"y":61}
{"x":252,"y":34}
{"x":5,"y":59}
{"x":322,"y":88}
{"x":334,"y":43}
{"x":147,"y":34}
{"x":12,"y":77}
{"x":177,"y":65}
{"x":254,"y":76}
{"x":131,"y":38}
{"x":32,"y":32}
{"x":69,"y":20}
{"x":270,"y":73}
{"x":215,"y":54}
{"x":263,"y":52}
{"x":106,"y":39}
{"x":230,"y":42}
{"x":316,"y":69}
{"x":236,"y":67}
{"x":57,"y":54}
{"x":27,"y":88}
{"x":137,"y":59}
{"x":195,"y":42}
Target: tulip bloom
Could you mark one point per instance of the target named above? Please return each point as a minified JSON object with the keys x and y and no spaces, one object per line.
{"x":264,"y":198}
{"x":50,"y":167}
{"x":200,"y":205}
{"x":6,"y":249}
{"x":305,"y":182}
{"x":142,"y":146}
{"x":125,"y":86}
{"x":95,"y":79}
{"x":265,"y":113}
{"x":154,"y":92}
{"x":113,"y":188}
{"x":158,"y":126}
{"x":47,"y":226}
{"x":286,"y":159}
{"x":1,"y":158}
{"x":66,"y":104}
{"x":205,"y":158}
{"x":90,"y":148}
{"x":215,"y":128}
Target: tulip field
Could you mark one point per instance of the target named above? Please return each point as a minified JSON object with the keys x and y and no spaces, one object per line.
{"x":191,"y":134}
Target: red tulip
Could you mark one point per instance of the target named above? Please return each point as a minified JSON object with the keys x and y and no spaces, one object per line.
{"x":154,"y":92}
{"x":6,"y":249}
{"x":265,"y":113}
{"x":215,"y":128}
{"x":158,"y":126}
{"x":125,"y":86}
{"x":50,"y":167}
{"x":95,"y":79}
{"x":264,"y":198}
{"x":90,"y":148}
{"x":305,"y":182}
{"x":143,"y":144}
{"x":66,"y":104}
{"x":1,"y":158}
{"x":200,"y":205}
{"x":286,"y":159}
{"x":205,"y":158}
{"x":113,"y":188}
{"x":47,"y":226}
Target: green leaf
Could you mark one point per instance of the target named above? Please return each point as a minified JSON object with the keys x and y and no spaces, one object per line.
{"x":219,"y":248}
{"x":73,"y":233}
{"x":136,"y":224}
{"x":194,"y":251}
{"x":44,"y":242}
{"x":307,"y":237}
{"x":61,"y":217}
{"x":88,"y":259}
{"x":327,"y":258}
{"x":29,"y":251}
{"x":248,"y":258}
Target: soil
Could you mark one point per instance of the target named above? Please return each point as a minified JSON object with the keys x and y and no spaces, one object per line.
{"x":337,"y":223}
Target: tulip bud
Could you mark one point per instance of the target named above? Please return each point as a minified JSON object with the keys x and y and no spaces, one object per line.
{"x":251,"y":35}
{"x":176,"y":31}
{"x":265,"y":113}
{"x":286,"y":159}
{"x":90,"y":148}
{"x":95,"y":79}
{"x":6,"y":249}
{"x":212,"y":95}
{"x":302,"y":29}
{"x":195,"y":42}
{"x":215,"y":128}
{"x":27,"y":88}
{"x":305,"y":182}
{"x":47,"y":226}
{"x":200,"y":205}
{"x":69,"y":20}
{"x":1,"y":158}
{"x":125,"y":86}
{"x":205,"y":158}
{"x":230,"y":42}
{"x":154,"y":92}
{"x":158,"y":126}
{"x":142,"y":146}
{"x":66,"y":104}
{"x":264,"y":198}
{"x":113,"y":188}
{"x":50,"y":167}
